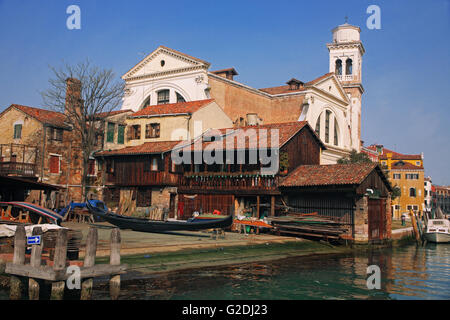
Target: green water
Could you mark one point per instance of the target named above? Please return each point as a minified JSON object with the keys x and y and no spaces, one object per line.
{"x":409,"y":272}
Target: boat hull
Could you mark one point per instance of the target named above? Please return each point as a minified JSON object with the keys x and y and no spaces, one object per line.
{"x":144,"y":225}
{"x":437,"y":237}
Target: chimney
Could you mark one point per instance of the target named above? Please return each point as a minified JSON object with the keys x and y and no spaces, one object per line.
{"x":252,"y":119}
{"x":226,"y":73}
{"x":73,"y":96}
{"x":295,"y":84}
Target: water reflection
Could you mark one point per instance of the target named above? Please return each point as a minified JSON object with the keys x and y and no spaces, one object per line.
{"x":409,"y":272}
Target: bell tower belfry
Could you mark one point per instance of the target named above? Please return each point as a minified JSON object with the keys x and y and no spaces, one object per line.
{"x":346,"y":53}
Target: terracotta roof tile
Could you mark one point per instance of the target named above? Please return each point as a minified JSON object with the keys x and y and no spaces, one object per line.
{"x":145,"y":148}
{"x":53,"y":118}
{"x":395,"y":155}
{"x":111,"y":113}
{"x":172,"y":108}
{"x":333,"y":174}
{"x":287,"y":88}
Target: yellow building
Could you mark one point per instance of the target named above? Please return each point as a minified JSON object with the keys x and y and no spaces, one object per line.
{"x":405,"y":171}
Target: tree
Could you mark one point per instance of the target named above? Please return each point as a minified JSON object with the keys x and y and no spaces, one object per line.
{"x":81,"y":91}
{"x":355,"y":157}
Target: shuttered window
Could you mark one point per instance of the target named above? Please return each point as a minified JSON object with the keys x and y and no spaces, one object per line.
{"x":121,"y":135}
{"x":54,"y":164}
{"x":152,"y":130}
{"x":91,"y":167}
{"x":110,"y":132}
{"x":134,"y":132}
{"x":17,"y":131}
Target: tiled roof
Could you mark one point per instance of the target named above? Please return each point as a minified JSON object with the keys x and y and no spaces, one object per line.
{"x":145,"y":148}
{"x":287,"y":88}
{"x":254,"y":136}
{"x":172,"y":108}
{"x":111,"y":113}
{"x":332,"y":174}
{"x":395,"y":155}
{"x":52,"y":118}
{"x":400,"y":165}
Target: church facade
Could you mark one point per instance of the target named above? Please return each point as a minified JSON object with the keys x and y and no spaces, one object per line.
{"x":331,"y":103}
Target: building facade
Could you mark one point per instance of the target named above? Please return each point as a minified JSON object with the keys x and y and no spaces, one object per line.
{"x":330,"y":103}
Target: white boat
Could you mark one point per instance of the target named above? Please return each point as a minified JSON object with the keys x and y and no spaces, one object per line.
{"x":438,"y":231}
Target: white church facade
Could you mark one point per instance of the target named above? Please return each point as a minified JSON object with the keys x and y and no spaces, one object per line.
{"x":330,"y":103}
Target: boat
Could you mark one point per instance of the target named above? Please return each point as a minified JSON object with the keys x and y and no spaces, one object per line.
{"x":25,"y":212}
{"x":153,"y":226}
{"x":438,"y":231}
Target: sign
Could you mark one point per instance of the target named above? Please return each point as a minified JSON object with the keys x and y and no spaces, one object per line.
{"x":34,"y":240}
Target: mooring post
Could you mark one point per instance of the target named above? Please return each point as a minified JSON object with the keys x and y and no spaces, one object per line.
{"x":59,"y":263}
{"x":114,"y":282}
{"x":35,"y":262}
{"x":89,"y":261}
{"x":19,"y":259}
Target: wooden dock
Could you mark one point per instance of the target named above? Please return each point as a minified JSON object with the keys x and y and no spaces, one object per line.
{"x":60,"y":272}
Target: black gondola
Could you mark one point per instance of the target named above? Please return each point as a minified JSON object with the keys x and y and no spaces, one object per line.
{"x":144,"y":225}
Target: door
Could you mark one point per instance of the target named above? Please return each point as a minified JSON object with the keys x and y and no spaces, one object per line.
{"x":377,"y":219}
{"x":172,"y":205}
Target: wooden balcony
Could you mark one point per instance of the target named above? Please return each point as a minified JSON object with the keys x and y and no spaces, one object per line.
{"x":146,"y":178}
{"x":18,"y":169}
{"x":246,"y":183}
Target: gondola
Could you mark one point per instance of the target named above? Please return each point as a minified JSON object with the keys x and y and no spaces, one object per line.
{"x":145,"y":225}
{"x":25,"y":212}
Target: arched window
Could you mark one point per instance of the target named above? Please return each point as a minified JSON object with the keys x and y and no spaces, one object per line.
{"x":180,"y":98}
{"x":348,"y":66}
{"x":335,"y":132}
{"x":163,"y":96}
{"x":327,"y":126}
{"x":412,"y":192}
{"x":338,"y":67}
{"x":318,"y":126}
{"x":146,"y":103}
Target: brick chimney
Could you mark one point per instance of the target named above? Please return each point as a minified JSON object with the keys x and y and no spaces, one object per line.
{"x":73,"y":96}
{"x":226,"y":73}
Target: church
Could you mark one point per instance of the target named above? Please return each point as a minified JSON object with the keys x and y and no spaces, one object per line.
{"x":331,"y":103}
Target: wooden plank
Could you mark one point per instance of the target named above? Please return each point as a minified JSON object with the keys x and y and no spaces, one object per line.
{"x":114,"y":282}
{"x":35,"y":262}
{"x":18,"y":259}
{"x":59,"y":263}
{"x":89,"y":261}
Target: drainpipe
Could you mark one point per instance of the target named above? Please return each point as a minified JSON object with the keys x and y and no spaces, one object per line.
{"x":43,"y":151}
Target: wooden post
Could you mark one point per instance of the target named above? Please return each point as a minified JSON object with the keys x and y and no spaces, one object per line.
{"x":35,"y":262}
{"x":114,"y":282}
{"x":59,"y":263}
{"x":89,"y":261}
{"x":257,"y":207}
{"x":19,"y":258}
{"x":272,"y":206}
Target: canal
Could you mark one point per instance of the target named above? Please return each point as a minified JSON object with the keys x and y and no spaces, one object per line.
{"x":409,"y":272}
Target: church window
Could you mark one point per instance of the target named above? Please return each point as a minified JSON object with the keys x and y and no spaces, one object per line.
{"x":163,"y":96}
{"x":318,"y":126}
{"x":335,"y":132}
{"x":163,"y":63}
{"x":327,"y":126}
{"x":146,"y":103}
{"x":338,"y":67}
{"x":180,"y":98}
{"x":348,"y":66}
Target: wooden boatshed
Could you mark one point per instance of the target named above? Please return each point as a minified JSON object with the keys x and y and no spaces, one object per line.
{"x":355,"y":195}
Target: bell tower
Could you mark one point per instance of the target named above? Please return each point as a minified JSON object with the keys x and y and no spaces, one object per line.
{"x":346,"y":53}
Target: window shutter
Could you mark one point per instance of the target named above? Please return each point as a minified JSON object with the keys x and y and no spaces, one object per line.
{"x":54,"y":164}
{"x":129,"y":133}
{"x":138,"y":132}
{"x":157,"y":130}
{"x":120,"y":134}
{"x":110,"y":132}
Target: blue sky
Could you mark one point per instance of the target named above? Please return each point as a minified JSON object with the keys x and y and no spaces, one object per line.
{"x":405,"y":69}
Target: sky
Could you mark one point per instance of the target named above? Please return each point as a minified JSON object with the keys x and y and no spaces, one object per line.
{"x":405,"y":73}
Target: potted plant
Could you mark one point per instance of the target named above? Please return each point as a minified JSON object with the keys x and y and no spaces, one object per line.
{"x":284,"y":163}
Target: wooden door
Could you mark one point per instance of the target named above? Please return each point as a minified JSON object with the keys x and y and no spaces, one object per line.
{"x":377,"y":219}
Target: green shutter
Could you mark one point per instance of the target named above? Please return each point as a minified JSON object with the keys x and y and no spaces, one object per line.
{"x":17,"y":131}
{"x":110,"y":133}
{"x":121,"y":135}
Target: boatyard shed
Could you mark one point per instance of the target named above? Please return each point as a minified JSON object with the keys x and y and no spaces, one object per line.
{"x":356,"y":196}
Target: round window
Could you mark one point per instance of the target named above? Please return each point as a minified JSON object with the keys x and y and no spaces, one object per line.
{"x":163,"y":63}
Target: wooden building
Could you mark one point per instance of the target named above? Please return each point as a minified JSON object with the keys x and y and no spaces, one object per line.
{"x":356,"y":195}
{"x":235,"y":184}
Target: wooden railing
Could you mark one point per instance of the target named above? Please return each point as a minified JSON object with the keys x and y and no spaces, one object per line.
{"x":148,"y":178}
{"x":18,"y":168}
{"x":225,"y":181}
